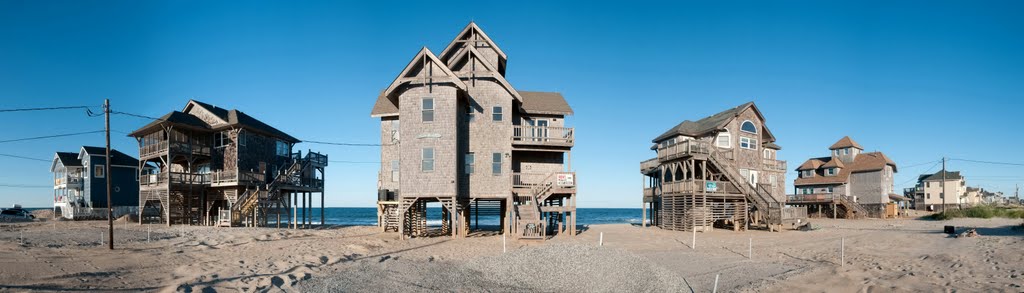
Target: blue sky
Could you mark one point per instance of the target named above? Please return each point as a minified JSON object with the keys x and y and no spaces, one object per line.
{"x":918,"y":80}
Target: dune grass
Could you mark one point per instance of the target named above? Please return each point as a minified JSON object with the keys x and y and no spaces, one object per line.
{"x":981,"y":211}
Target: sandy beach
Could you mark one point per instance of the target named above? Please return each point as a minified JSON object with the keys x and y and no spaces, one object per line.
{"x":880,"y":256}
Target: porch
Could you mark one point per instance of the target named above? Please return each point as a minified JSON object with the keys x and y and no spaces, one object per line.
{"x":524,"y":135}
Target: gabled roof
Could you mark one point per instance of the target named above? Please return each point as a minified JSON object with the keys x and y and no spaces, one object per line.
{"x":384,"y":106}
{"x":950,"y":175}
{"x":865,"y":162}
{"x":471,"y":30}
{"x":845,"y":142}
{"x":423,"y":57}
{"x":179,"y":119}
{"x":66,"y":159}
{"x":469,"y":54}
{"x":116,"y":156}
{"x":230,"y":119}
{"x":545,"y":103}
{"x":708,"y":124}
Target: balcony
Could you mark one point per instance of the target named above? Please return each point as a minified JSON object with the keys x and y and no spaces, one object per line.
{"x":683,"y":149}
{"x":175,"y":178}
{"x":699,"y":186}
{"x":812,"y":198}
{"x":531,"y":180}
{"x":774,"y":165}
{"x":181,"y":147}
{"x":542,"y":136}
{"x":649,"y":165}
{"x":236,"y":178}
{"x":69,"y":182}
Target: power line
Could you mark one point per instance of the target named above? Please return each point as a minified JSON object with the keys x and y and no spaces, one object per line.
{"x":136,"y":115}
{"x":988,"y":162}
{"x":24,"y":186}
{"x":44,"y":109}
{"x":49,"y":136}
{"x":26,"y":158}
{"x":921,"y":164}
{"x":925,"y":172}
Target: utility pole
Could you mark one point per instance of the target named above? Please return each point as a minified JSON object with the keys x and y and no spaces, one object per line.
{"x":106,"y":173}
{"x":943,"y":185}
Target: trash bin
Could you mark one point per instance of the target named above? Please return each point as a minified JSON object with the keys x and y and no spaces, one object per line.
{"x":949,"y":230}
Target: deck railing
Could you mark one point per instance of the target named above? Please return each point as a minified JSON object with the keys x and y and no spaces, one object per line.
{"x":650,"y":191}
{"x":531,"y":180}
{"x":817,"y":197}
{"x":684,"y":148}
{"x":237,"y":177}
{"x":774,"y":165}
{"x":68,"y":182}
{"x":697,"y":186}
{"x":160,"y":147}
{"x":542,"y":135}
{"x":649,"y":164}
{"x":174,"y":178}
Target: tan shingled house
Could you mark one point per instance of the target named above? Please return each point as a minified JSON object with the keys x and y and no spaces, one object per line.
{"x":456,"y":133}
{"x":722,"y":170}
{"x":849,"y":182}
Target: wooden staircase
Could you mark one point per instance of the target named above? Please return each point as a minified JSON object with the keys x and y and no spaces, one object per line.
{"x":528,"y":223}
{"x":768,"y":208}
{"x":852,"y":209}
{"x":390,"y":220}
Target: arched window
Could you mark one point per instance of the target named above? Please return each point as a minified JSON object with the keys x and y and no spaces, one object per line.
{"x":748,"y":126}
{"x":724,"y":140}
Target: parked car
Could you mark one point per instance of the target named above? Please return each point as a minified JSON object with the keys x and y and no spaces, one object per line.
{"x":16,"y":212}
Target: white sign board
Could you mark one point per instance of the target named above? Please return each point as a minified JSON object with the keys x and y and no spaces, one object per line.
{"x":565,"y":179}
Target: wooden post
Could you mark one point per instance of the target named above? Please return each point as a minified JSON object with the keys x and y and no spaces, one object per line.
{"x":303,"y":210}
{"x":106,"y":173}
{"x":323,"y":220}
{"x":295,"y":210}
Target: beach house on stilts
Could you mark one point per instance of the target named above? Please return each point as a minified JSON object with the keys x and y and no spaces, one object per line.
{"x":721,"y":170}
{"x":456,"y":133}
{"x":213,"y":166}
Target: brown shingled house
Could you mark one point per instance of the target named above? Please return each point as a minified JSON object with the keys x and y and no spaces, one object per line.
{"x":456,"y":133}
{"x":850,"y":182}
{"x":719,"y":170}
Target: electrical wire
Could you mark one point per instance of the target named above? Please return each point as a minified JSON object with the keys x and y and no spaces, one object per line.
{"x":50,"y":136}
{"x":987,"y":162}
{"x":24,"y":186}
{"x":26,"y":158}
{"x":43,"y":109}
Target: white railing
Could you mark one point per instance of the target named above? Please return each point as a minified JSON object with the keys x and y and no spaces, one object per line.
{"x":543,"y":135}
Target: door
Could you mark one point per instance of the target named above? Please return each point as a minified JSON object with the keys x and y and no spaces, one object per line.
{"x":542,"y":130}
{"x":753,"y":178}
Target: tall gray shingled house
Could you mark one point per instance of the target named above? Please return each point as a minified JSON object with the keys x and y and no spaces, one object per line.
{"x":849,"y":182}
{"x":456,"y":133}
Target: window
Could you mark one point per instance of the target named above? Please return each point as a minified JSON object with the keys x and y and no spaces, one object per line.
{"x":98,"y":171}
{"x":830,"y":171}
{"x":748,"y":143}
{"x":927,"y":195}
{"x":395,"y":126}
{"x":496,"y":113}
{"x":428,"y":109}
{"x":241,"y":138}
{"x":496,"y":163}
{"x":282,"y":148}
{"x":771,"y":180}
{"x":769,"y":153}
{"x":748,"y":126}
{"x":394,"y":171}
{"x":470,"y":160}
{"x":807,"y":173}
{"x":223,"y":139}
{"x":668,"y":142}
{"x":724,"y":140}
{"x":470,"y":116}
{"x":830,"y":189}
{"x":428,"y":160}
{"x":928,"y":184}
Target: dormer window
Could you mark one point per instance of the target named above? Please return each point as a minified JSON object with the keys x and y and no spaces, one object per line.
{"x":748,"y":127}
{"x":830,"y":172}
{"x":807,"y":173}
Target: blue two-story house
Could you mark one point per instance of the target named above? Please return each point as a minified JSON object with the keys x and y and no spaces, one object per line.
{"x":80,"y":186}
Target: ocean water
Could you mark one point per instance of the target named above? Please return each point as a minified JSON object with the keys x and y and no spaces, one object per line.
{"x":368,"y":216}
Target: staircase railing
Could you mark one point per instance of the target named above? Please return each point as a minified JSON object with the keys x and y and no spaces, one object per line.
{"x":761,"y":198}
{"x":852,"y":206}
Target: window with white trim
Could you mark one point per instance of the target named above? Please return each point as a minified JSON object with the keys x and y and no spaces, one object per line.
{"x":748,"y":126}
{"x":99,"y":171}
{"x":806,"y":173}
{"x":428,"y":160}
{"x":282,"y":148}
{"x":394,"y":170}
{"x":496,"y":113}
{"x":830,"y":171}
{"x":222,"y":139}
{"x":470,"y":161}
{"x":496,"y":163}
{"x":395,"y":126}
{"x":830,"y":189}
{"x":748,"y":143}
{"x":427,"y":106}
{"x":724,"y":139}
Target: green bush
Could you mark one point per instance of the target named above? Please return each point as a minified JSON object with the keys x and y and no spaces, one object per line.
{"x":981,"y":211}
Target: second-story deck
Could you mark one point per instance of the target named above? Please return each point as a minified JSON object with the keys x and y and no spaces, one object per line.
{"x":236,"y":178}
{"x":563,"y":181}
{"x":693,"y":187}
{"x":165,"y":179}
{"x":159,"y":148}
{"x":812,"y":198}
{"x":69,"y":182}
{"x":542,"y":136}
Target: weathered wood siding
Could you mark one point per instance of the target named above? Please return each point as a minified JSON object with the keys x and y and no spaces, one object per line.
{"x":439,"y":134}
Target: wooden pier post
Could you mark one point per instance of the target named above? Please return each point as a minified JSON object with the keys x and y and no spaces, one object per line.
{"x":323,"y":220}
